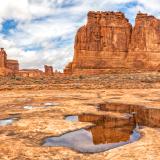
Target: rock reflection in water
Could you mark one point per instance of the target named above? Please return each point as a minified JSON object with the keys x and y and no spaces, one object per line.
{"x":109,"y":129}
{"x":108,"y":133}
{"x":145,"y":116}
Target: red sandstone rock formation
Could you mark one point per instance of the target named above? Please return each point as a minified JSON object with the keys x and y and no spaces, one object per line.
{"x":144,"y":50}
{"x":11,"y":68}
{"x":68,"y":69}
{"x":34,"y":73}
{"x":13,"y":65}
{"x":102,"y":43}
{"x":48,"y":70}
{"x":7,"y":67}
{"x":3,"y":58}
{"x":6,"y":72}
{"x":108,"y":42}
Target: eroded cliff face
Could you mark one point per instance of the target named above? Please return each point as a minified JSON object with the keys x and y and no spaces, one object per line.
{"x":108,"y":41}
{"x":103,"y":42}
{"x":144,"y":49}
{"x":148,"y":116}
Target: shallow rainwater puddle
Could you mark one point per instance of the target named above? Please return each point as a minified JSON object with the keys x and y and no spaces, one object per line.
{"x":8,"y":121}
{"x":44,"y":105}
{"x":71,"y":118}
{"x":82,"y":141}
{"x":48,"y":104}
{"x":108,"y":133}
{"x":28,"y":107}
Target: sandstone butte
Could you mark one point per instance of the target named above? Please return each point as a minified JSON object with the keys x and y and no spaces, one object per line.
{"x":108,"y":42}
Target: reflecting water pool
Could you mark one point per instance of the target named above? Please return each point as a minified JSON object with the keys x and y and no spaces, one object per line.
{"x":8,"y":121}
{"x":108,"y":133}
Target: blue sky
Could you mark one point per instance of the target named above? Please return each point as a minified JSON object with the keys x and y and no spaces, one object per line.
{"x":38,"y":32}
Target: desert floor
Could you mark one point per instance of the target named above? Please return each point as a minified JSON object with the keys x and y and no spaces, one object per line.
{"x":24,"y":101}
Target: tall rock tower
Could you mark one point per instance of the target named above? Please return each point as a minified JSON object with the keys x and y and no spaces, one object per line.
{"x":48,"y":70}
{"x":3,"y":58}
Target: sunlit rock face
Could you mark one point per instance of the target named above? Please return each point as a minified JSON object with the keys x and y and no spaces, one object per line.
{"x":144,"y":49}
{"x":103,"y":42}
{"x":109,"y":42}
{"x":146,"y":116}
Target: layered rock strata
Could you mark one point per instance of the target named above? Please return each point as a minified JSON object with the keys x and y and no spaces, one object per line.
{"x":109,"y":42}
{"x":144,"y":50}
{"x":32,"y":73}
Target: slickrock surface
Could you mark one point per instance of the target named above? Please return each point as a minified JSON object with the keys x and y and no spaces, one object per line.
{"x":34,"y":121}
{"x":22,"y":140}
{"x":109,"y":42}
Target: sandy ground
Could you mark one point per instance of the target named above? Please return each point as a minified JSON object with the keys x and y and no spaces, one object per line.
{"x":23,"y":139}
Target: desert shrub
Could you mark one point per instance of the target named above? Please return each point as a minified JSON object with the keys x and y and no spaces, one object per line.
{"x":17,"y":78}
{"x":81,"y":77}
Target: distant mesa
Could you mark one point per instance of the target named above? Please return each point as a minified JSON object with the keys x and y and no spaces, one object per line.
{"x":108,"y":42}
{"x":10,"y":67}
{"x":30,"y":73}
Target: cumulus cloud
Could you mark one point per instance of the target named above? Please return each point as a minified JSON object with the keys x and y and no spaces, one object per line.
{"x":44,"y":30}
